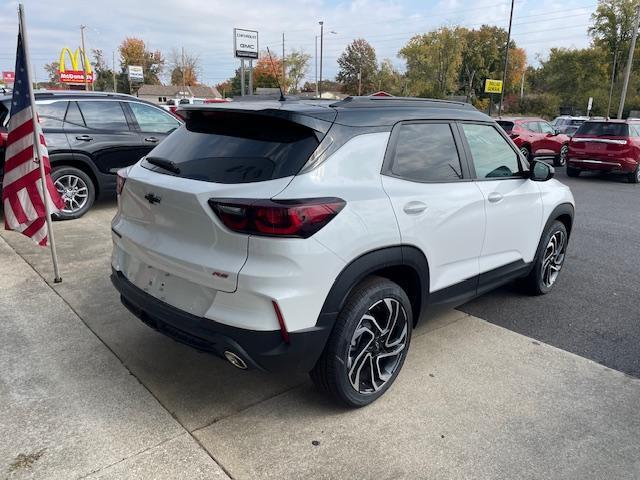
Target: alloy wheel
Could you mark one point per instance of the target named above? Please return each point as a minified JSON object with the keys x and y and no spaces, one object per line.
{"x":553,"y":258}
{"x":74,"y":192}
{"x":377,"y":346}
{"x":564,"y":152}
{"x":525,"y":152}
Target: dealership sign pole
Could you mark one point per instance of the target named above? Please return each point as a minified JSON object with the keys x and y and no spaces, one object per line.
{"x":245,"y":46}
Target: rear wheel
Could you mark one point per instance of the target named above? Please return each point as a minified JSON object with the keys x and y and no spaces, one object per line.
{"x":561,"y":159}
{"x":573,"y":172}
{"x":526,"y":152}
{"x":368,"y":344}
{"x":76,"y":189}
{"x":634,"y":177}
{"x":549,"y":259}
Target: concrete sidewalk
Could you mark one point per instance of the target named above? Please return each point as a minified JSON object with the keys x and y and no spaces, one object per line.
{"x":68,"y":407}
{"x":473,"y":400}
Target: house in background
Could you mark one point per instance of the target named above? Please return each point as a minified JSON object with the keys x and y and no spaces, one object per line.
{"x":159,"y":94}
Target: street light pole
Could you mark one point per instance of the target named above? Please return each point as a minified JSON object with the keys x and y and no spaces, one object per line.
{"x":627,"y":71}
{"x":321,"y":38}
{"x":613,"y":77}
{"x":84,"y":57}
{"x":316,"y":59}
{"x":506,"y":61}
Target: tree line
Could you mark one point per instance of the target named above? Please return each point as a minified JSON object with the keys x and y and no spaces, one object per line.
{"x":448,"y":62}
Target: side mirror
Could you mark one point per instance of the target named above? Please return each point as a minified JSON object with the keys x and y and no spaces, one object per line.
{"x":541,"y":171}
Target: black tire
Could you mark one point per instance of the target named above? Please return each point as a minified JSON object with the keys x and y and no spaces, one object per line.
{"x":76,"y":205}
{"x":573,"y":172}
{"x":539,"y":281}
{"x":634,"y":177}
{"x":561,"y":159}
{"x":346,"y":348}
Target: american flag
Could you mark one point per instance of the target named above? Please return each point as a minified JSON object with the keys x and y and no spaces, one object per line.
{"x":22,"y":191}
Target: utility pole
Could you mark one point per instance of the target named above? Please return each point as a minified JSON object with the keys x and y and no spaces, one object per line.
{"x":522,"y":85}
{"x":84,"y":57}
{"x":284,"y":75}
{"x":320,"y":79}
{"x":627,"y":71}
{"x":506,"y":61}
{"x":360,"y":81}
{"x":613,"y":77}
{"x":250,"y":76}
{"x":242,"y":77}
{"x":184,"y":83}
{"x":316,"y":59}
{"x":113,"y":70}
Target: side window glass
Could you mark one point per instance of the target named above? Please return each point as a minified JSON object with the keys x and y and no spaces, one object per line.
{"x":492,"y":155}
{"x":426,"y":152}
{"x":103,"y":115}
{"x":546,"y":128}
{"x":74,"y":117}
{"x":533,"y":126}
{"x":151,"y":119}
{"x":52,"y":114}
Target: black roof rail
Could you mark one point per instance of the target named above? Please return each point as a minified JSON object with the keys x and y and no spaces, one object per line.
{"x":370,"y":101}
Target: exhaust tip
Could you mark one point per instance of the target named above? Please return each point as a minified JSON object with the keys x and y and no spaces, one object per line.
{"x":235,"y":360}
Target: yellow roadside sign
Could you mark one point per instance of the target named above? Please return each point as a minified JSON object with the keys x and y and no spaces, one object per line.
{"x":493,"y":86}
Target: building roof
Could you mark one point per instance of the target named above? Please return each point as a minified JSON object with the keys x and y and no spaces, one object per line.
{"x":173,"y":91}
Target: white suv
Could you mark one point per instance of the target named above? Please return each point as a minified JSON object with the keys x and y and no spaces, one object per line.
{"x":309,"y":235}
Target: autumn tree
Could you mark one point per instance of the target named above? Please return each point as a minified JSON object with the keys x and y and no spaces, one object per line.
{"x":188,"y":63}
{"x":267,"y":72}
{"x":389,"y":79}
{"x":53,"y":72}
{"x":297,"y":67}
{"x":433,"y":61}
{"x":133,"y":51}
{"x":358,"y":68}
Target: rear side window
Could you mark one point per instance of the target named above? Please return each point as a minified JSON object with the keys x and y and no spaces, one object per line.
{"x":426,"y":152}
{"x":231,"y":147}
{"x":104,"y":115}
{"x":605,"y":129}
{"x":533,"y":127}
{"x":52,"y":114}
{"x":492,"y":156}
{"x":506,"y":126}
{"x":152,"y":119}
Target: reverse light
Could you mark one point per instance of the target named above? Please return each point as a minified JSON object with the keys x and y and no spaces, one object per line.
{"x":299,"y":218}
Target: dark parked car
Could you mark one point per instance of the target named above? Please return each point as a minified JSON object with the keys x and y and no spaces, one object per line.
{"x":606,"y":146}
{"x":90,"y":136}
{"x":537,"y":139}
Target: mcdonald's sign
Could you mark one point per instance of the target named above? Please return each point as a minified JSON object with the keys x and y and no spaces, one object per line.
{"x":75,"y":74}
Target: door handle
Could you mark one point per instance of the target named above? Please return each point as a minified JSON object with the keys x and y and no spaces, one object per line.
{"x":495,"y":197}
{"x":414,"y":208}
{"x":151,"y":139}
{"x":84,"y":138}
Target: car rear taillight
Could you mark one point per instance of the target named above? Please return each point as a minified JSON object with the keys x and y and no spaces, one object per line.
{"x":121,"y":178}
{"x":298,"y":218}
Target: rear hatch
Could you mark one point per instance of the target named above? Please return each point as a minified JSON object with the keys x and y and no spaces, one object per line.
{"x":600,"y":140}
{"x":165,"y":227}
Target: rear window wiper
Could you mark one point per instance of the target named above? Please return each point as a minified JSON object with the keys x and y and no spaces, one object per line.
{"x":166,"y":164}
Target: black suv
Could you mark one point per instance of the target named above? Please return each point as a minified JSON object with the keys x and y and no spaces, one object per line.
{"x":90,"y":136}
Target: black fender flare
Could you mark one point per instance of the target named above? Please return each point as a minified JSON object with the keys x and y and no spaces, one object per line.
{"x":73,"y":159}
{"x":367,"y":264}
{"x":564,"y":209}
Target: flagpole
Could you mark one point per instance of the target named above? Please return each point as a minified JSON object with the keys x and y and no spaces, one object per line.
{"x":45,"y":192}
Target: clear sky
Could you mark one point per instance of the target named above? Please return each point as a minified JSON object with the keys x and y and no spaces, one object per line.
{"x":205,"y":27}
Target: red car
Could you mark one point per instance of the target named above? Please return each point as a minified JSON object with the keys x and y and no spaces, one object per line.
{"x":536,"y":138}
{"x":606,"y":146}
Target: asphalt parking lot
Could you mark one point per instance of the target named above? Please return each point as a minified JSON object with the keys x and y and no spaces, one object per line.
{"x":88,"y":391}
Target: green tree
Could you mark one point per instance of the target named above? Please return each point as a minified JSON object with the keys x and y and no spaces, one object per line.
{"x":433,"y":61}
{"x":358,"y":68}
{"x":297,"y":67}
{"x":53,"y":71}
{"x":389,"y":79}
{"x":102,"y":74}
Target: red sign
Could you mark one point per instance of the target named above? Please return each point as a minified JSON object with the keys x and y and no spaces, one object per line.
{"x":8,"y":77}
{"x":75,"y":76}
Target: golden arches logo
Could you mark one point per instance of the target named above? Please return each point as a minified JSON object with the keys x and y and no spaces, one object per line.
{"x":78,"y":60}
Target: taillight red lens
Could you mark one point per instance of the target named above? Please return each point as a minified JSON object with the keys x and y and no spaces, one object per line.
{"x":121,"y":178}
{"x":278,"y":218}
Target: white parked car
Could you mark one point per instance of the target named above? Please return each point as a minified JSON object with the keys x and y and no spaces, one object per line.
{"x":310,"y":235}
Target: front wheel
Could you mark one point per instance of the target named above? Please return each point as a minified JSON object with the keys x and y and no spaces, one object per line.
{"x":561,"y":159}
{"x":368,"y":344}
{"x":76,"y":189}
{"x":549,"y":259}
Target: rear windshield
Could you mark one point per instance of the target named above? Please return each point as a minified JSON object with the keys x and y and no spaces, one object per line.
{"x":230,"y":147}
{"x":604,"y":129}
{"x":506,"y":126}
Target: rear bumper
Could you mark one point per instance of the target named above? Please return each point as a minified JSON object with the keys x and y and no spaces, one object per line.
{"x":623,"y":165}
{"x":264,"y":350}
